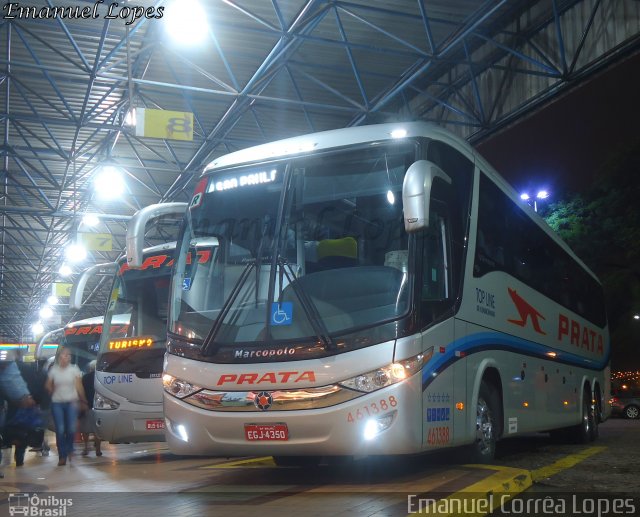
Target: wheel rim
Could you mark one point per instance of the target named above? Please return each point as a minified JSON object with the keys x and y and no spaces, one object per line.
{"x":484,"y":428}
{"x":632,"y":412}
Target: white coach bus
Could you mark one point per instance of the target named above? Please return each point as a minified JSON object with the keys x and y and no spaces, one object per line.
{"x":376,"y":290}
{"x":128,"y":384}
{"x":81,"y":337}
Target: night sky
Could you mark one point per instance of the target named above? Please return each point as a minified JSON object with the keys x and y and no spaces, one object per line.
{"x":561,"y":146}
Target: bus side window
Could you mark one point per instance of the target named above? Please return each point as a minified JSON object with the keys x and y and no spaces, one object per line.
{"x":435,"y":281}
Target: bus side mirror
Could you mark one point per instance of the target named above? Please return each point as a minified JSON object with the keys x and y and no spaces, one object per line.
{"x":416,"y":193}
{"x":77,"y":291}
{"x":137,"y":228}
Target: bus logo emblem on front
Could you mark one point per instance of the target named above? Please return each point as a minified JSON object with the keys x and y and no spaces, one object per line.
{"x":263,"y":400}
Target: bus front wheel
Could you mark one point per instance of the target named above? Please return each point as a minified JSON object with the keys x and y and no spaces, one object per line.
{"x":484,"y":447}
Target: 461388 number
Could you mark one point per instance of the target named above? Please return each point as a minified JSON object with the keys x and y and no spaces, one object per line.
{"x":372,"y":409}
{"x":438,"y":436}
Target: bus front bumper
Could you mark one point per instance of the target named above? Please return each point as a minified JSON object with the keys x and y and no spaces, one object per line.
{"x":121,"y":426}
{"x":387,"y":421}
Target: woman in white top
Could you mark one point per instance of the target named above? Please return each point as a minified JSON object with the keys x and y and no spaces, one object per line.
{"x":65,"y":385}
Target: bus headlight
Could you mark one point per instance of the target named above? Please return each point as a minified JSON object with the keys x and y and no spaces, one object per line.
{"x":102,"y":402}
{"x":177,"y":387}
{"x":387,"y":375}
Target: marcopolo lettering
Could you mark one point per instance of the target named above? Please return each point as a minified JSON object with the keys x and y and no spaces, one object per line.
{"x":270,"y":352}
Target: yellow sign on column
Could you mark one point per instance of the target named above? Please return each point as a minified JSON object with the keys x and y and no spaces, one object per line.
{"x":96,"y":241}
{"x":62,"y":289}
{"x":170,"y":125}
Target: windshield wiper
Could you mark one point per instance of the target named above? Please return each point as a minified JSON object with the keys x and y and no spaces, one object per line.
{"x":207,"y":344}
{"x":308,"y":307}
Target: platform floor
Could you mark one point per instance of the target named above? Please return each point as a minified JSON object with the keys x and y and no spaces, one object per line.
{"x":146,"y":479}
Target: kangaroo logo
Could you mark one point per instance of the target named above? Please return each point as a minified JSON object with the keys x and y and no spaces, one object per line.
{"x":525,"y":310}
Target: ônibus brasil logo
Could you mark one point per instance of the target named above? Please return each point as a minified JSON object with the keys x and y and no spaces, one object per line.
{"x":38,"y":506}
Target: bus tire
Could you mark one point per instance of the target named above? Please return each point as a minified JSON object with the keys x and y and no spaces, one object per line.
{"x":597,"y":416}
{"x":586,"y":430}
{"x":297,"y":461}
{"x":487,"y":412}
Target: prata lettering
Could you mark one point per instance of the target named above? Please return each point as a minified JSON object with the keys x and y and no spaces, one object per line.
{"x":271,"y":352}
{"x":580,"y":335}
{"x":156,"y":261}
{"x":97,"y":329}
{"x":269,"y":377}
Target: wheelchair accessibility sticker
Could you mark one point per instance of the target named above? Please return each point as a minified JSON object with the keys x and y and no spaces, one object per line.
{"x":282,"y":313}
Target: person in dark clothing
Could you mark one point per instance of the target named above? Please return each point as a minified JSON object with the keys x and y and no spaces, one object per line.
{"x":36,"y":378}
{"x":87,"y":423}
{"x":13,"y":390}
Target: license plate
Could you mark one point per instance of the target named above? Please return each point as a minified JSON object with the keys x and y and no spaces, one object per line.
{"x":266,"y":432}
{"x":155,"y":424}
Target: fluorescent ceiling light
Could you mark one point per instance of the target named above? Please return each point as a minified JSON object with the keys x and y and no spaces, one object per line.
{"x":186,"y":22}
{"x":46,"y":312}
{"x":90,"y":219}
{"x":76,"y":253}
{"x":37,"y":328}
{"x":109,"y":183}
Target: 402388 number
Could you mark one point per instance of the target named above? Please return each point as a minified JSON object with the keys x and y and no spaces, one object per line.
{"x":372,"y":409}
{"x":438,"y":436}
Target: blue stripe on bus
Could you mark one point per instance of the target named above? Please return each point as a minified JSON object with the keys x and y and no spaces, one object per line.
{"x":483,"y":341}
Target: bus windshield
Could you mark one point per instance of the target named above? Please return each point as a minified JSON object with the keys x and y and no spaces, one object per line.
{"x":83,"y":349}
{"x":309,"y":249}
{"x":138,"y":298}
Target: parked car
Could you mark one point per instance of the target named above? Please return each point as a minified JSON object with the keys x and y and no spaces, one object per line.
{"x":625,"y":402}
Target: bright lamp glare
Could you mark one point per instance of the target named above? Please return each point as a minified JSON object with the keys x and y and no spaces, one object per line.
{"x":390,"y":197}
{"x":374,"y":426}
{"x":76,"y":253}
{"x":37,"y":328}
{"x":370,"y":429}
{"x":186,"y":22}
{"x":52,"y":300}
{"x":524,"y":197}
{"x":543,"y":194}
{"x":398,"y":133}
{"x":182,"y":431}
{"x":46,"y":312}
{"x":90,"y":220}
{"x":65,"y":270}
{"x":109,"y":183}
{"x":636,"y":317}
